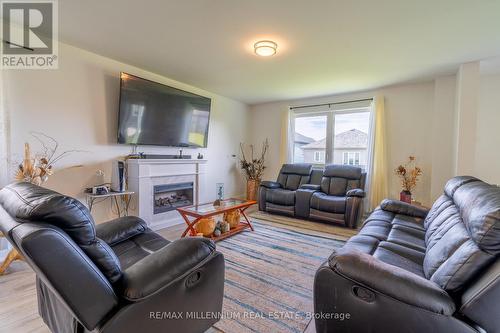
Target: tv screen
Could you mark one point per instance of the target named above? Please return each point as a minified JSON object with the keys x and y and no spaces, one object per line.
{"x":155,"y":114}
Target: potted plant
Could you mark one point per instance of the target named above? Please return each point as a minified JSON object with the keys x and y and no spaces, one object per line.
{"x":254,"y":168}
{"x":408,"y":173}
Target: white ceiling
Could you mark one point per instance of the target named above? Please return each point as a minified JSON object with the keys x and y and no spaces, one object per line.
{"x":325,"y":47}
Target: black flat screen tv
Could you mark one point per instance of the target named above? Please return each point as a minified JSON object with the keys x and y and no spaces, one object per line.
{"x":155,"y":114}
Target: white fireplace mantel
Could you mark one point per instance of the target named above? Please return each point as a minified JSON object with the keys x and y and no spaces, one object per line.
{"x":144,"y":174}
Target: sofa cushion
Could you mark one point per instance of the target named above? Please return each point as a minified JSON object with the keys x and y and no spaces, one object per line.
{"x":25,"y":201}
{"x":280,"y":196}
{"x":328,"y":203}
{"x":291,"y":176}
{"x":342,"y":171}
{"x":408,"y":237}
{"x":395,"y":239}
{"x":400,"y":256}
{"x":138,"y":247}
{"x":338,"y":179}
{"x":303,"y":169}
{"x":479,"y":205}
{"x":461,"y":232}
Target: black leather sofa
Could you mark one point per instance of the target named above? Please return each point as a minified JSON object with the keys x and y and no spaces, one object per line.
{"x":333,"y":194}
{"x":117,"y":276}
{"x":414,"y":270}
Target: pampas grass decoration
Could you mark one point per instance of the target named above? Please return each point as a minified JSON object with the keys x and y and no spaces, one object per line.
{"x":37,"y":169}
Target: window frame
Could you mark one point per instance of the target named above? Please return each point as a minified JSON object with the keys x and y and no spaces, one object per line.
{"x":330,"y":128}
{"x":348,"y":155}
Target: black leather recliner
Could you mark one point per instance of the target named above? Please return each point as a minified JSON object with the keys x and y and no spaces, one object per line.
{"x":117,"y":276}
{"x":334,"y":194}
{"x":337,"y":199}
{"x":414,"y":270}
{"x":279,"y":196}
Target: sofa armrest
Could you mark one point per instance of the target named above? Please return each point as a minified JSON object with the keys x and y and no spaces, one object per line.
{"x":165,"y":266}
{"x":120,"y":229}
{"x":303,"y":201}
{"x":399,"y":207}
{"x":353,"y":208}
{"x":270,"y":184}
{"x":391,"y":280}
{"x":313,"y":187}
{"x":356,"y":192}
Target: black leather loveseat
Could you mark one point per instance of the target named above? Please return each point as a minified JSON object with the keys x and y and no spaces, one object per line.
{"x":117,"y":276}
{"x":333,"y":194}
{"x":413,"y":270}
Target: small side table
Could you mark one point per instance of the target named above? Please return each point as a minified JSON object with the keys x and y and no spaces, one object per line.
{"x":116,"y":197}
{"x":11,"y":256}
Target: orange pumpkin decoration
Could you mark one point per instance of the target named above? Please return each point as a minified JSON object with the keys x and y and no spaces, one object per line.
{"x":205,"y":226}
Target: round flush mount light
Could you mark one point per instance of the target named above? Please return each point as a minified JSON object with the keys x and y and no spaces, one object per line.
{"x":265,"y":48}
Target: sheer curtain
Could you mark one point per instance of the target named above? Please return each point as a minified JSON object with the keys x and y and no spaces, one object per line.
{"x":286,"y":142}
{"x":377,"y":183}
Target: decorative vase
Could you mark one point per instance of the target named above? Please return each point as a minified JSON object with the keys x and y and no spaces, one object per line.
{"x":405,"y":196}
{"x":232,"y":217}
{"x":206,"y":226}
{"x":252,"y":187}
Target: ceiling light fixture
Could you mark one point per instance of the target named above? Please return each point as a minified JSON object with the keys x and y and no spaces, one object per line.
{"x":265,"y":48}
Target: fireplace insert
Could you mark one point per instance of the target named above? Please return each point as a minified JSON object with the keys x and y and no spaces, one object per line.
{"x":171,"y":196}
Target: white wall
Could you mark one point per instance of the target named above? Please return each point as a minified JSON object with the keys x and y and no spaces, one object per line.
{"x":465,"y":121}
{"x":443,"y":134}
{"x":487,"y":159}
{"x":78,"y":104}
{"x":409,"y":112}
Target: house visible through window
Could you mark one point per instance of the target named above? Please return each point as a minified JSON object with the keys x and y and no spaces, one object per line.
{"x":332,"y":134}
{"x":351,"y":158}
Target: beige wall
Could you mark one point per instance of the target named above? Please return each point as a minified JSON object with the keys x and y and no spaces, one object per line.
{"x":487,"y":158}
{"x":78,"y":104}
{"x":443,"y":134}
{"x":409,"y":111}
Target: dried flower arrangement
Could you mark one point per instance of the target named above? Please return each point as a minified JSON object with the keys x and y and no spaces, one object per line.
{"x":253,"y":167}
{"x":408,"y":173}
{"x":37,"y":169}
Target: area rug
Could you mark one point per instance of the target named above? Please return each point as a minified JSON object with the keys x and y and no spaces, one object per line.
{"x":269,"y":278}
{"x":312,"y":227}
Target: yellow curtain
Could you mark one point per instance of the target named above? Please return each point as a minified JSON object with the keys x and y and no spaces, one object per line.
{"x":378,"y":179}
{"x":285,"y":128}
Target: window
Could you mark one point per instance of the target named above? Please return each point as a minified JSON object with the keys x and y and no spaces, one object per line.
{"x":351,"y":158}
{"x":319,"y":157}
{"x":332,"y":134}
{"x":309,"y":139}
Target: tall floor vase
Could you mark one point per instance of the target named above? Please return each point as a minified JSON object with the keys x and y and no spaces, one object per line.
{"x":252,"y":188}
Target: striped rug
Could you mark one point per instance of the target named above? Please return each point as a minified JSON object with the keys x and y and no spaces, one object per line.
{"x":269,"y":278}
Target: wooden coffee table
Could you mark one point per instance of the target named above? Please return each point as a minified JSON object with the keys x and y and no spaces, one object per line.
{"x":193,"y":214}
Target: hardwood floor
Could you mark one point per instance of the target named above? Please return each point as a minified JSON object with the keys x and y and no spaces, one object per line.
{"x":18,"y":303}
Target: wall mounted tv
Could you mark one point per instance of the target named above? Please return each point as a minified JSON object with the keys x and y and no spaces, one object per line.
{"x":155,"y":114}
